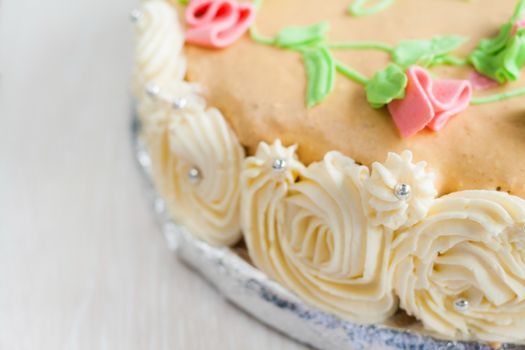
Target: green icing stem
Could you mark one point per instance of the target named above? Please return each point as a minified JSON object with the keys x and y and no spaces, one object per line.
{"x":365,"y":45}
{"x":350,"y":73}
{"x":453,"y":61}
{"x":260,"y":39}
{"x":254,"y":33}
{"x":358,"y":7}
{"x":374,"y":45}
{"x":519,"y":11}
{"x":317,"y":58}
{"x":498,"y":97}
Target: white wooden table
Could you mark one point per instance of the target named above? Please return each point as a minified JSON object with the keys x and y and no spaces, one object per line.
{"x":82,"y":262}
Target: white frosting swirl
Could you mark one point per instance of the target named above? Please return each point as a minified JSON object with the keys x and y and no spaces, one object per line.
{"x":156,"y":115}
{"x":384,"y":207}
{"x":306,"y":228}
{"x":263,"y":191}
{"x":156,"y":112}
{"x":160,"y":39}
{"x":194,"y":139}
{"x":469,"y":247}
{"x":202,"y":170}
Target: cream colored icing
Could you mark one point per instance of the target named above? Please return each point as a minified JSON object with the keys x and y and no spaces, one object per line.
{"x":258,"y":176}
{"x":306,"y":227}
{"x":470,"y":246}
{"x":156,"y":111}
{"x":195,"y":139}
{"x":209,"y":206}
{"x":158,"y":53}
{"x":155,"y":114}
{"x":383,"y":207}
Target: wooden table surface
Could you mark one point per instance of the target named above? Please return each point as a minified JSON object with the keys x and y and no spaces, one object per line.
{"x":83,"y":264}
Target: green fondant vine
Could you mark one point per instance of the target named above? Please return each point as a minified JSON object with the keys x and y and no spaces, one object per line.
{"x":415,"y":98}
{"x":311,"y":42}
{"x":427,"y":53}
{"x":320,"y":69}
{"x":363,"y":8}
{"x":318,"y":61}
{"x":386,"y":85}
{"x":500,"y":58}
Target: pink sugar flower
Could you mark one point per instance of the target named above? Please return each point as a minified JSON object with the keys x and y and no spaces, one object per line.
{"x":428,"y":103}
{"x":217,"y":23}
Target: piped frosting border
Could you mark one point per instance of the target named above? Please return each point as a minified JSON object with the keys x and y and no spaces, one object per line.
{"x":349,"y":240}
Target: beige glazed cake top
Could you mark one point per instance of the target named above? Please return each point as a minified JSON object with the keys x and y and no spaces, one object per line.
{"x":261,"y":92}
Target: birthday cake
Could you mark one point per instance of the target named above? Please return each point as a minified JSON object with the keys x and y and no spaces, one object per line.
{"x":368,"y":153}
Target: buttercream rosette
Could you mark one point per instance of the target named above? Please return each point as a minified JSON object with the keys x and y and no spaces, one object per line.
{"x":156,"y":114}
{"x":160,"y":39}
{"x":461,"y":270}
{"x":196,"y":161}
{"x":306,"y":228}
{"x":202,"y":175}
{"x":383,"y":206}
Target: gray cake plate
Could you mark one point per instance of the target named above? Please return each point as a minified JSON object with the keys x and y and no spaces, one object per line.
{"x":267,"y":301}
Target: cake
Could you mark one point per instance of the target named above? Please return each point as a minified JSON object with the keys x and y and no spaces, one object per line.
{"x":368,"y":155}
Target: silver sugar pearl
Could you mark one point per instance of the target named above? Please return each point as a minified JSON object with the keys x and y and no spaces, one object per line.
{"x":153,"y":90}
{"x":179,"y":103}
{"x":194,"y":175}
{"x":402,"y":191}
{"x":461,"y":305}
{"x":135,"y":15}
{"x":144,"y":159}
{"x":279,"y":164}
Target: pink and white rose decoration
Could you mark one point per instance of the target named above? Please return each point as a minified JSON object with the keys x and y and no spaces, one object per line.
{"x":428,"y":103}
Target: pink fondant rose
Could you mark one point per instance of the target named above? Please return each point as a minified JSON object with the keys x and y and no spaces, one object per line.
{"x":428,"y":103}
{"x":217,"y":23}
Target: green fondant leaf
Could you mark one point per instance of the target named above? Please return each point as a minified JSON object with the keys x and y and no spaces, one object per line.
{"x":502,"y":58}
{"x":320,"y":71}
{"x":409,"y":52}
{"x":493,"y":45}
{"x":513,"y":59}
{"x":184,"y":2}
{"x":386,"y":85}
{"x":425,"y":52}
{"x":294,"y":37}
{"x":443,"y":45}
{"x":519,"y":11}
